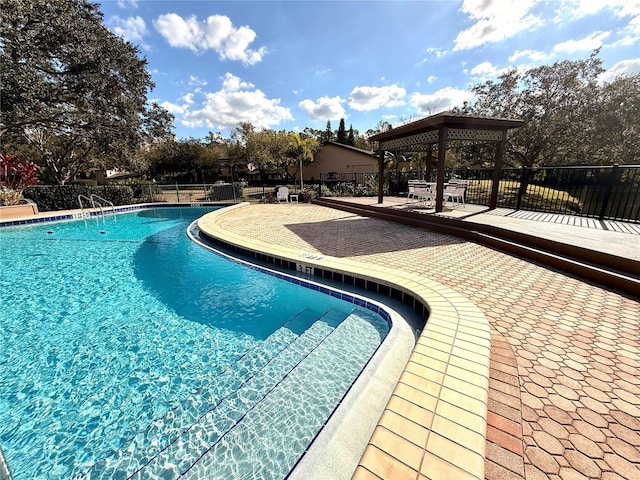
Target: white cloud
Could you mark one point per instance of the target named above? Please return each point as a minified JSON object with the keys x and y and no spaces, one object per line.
{"x":179,"y":108}
{"x":444,"y":99}
{"x":581,"y":8}
{"x":535,"y":55}
{"x":629,"y":7}
{"x":431,"y":78}
{"x":495,"y":20}
{"x":196,"y":81}
{"x":433,"y":52}
{"x":365,"y":99}
{"x":590,"y":42}
{"x":324,"y":108}
{"x":237,"y":101}
{"x":485,"y":70}
{"x":133,"y":29}
{"x":627,"y":67}
{"x":216,"y":33}
{"x":128,"y":4}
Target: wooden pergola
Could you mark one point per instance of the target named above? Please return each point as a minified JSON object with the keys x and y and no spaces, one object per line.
{"x":438,"y":130}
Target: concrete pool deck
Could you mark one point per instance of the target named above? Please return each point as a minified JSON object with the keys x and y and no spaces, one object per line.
{"x":522,"y":371}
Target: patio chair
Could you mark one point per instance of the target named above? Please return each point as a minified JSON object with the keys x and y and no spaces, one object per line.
{"x":455,"y":194}
{"x":283,"y":194}
{"x":413,"y":184}
{"x":424,"y":194}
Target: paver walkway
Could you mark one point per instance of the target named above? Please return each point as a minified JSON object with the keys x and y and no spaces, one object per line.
{"x":564,"y":400}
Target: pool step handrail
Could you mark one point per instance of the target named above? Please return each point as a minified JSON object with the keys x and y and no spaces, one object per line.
{"x":80,"y":197}
{"x":5,"y":473}
{"x":97,"y":200}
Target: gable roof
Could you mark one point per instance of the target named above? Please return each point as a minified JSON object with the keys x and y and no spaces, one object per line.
{"x":369,"y":153}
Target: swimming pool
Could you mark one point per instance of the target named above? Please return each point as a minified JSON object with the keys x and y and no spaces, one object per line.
{"x":127,"y":351}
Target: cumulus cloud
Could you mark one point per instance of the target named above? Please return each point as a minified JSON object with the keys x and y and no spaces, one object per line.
{"x":216,"y":33}
{"x":590,"y":42}
{"x":133,"y":29}
{"x":535,"y":55}
{"x":179,"y":108}
{"x":444,"y":99}
{"x":485,"y":70}
{"x":324,"y":108}
{"x":623,"y":68}
{"x":365,"y":99}
{"x":495,"y":20}
{"x":237,"y":101}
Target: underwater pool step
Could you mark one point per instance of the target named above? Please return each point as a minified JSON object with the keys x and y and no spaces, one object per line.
{"x":197,"y":441}
{"x":342,"y":353}
{"x":198,"y":423}
{"x":164,"y":429}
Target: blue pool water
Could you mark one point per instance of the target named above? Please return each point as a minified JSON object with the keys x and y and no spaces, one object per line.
{"x":128,"y":351}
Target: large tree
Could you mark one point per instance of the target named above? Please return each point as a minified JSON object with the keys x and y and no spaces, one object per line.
{"x":71,"y":88}
{"x":188,"y":160}
{"x":571,"y":116}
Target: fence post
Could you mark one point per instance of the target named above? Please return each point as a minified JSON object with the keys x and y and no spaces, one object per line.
{"x":607,"y":193}
{"x":523,"y":187}
{"x":177,"y":192}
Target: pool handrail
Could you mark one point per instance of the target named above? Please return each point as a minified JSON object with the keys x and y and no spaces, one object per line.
{"x":5,"y":473}
{"x":101,"y":202}
{"x":97,"y":202}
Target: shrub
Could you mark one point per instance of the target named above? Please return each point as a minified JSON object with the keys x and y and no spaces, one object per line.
{"x":16,"y":174}
{"x":65,"y":197}
{"x":10,"y":197}
{"x":307,"y":195}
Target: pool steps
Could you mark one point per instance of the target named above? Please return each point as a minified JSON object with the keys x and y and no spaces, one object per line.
{"x":275,"y":342}
{"x":348,"y":340}
{"x":208,"y":432}
{"x":189,"y":432}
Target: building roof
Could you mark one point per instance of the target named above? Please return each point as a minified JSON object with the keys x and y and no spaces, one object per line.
{"x":349,"y":147}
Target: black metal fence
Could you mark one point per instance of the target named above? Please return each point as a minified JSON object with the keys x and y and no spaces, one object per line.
{"x":611,"y":192}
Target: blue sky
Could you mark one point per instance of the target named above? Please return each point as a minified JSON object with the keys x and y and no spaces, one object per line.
{"x":295,"y":64}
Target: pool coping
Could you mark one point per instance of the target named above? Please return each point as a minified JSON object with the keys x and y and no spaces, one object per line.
{"x":434,"y":423}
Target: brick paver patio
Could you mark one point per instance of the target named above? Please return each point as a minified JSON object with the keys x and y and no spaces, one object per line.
{"x":564,"y":388}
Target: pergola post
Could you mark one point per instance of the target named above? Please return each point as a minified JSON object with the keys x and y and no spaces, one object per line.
{"x":380,"y":176}
{"x":442,"y":155}
{"x":497,"y":173}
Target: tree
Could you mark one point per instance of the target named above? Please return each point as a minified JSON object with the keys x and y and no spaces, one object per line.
{"x":570,"y":116}
{"x":351,"y":139}
{"x":301,"y":151}
{"x":256,"y":152}
{"x":618,"y":122}
{"x":157,"y":124}
{"x":328,"y":133}
{"x":188,"y":160}
{"x":76,"y":92}
{"x":341,"y":134}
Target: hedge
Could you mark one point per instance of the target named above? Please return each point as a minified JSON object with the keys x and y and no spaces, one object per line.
{"x":65,"y":197}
